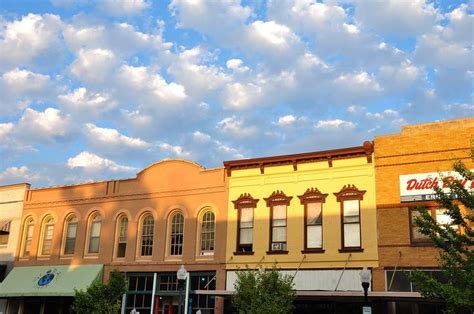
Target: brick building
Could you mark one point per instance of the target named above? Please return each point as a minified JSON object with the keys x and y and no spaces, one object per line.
{"x":419,"y":152}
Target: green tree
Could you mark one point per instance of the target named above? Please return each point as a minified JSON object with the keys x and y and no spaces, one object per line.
{"x":102,"y":298}
{"x":263,"y":291}
{"x":455,"y":244}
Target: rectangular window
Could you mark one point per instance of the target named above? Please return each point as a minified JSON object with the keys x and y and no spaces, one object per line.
{"x":245,"y":230}
{"x":4,"y":233}
{"x":398,"y":281}
{"x":70,"y":239}
{"x":314,"y":224}
{"x":438,"y":214}
{"x":351,"y":224}
{"x":278,"y":228}
{"x":122,"y":238}
{"x":48,"y":239}
{"x":95,"y":237}
{"x":28,"y":240}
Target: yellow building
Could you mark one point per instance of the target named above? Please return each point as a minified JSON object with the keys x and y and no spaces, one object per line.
{"x":313,"y":214}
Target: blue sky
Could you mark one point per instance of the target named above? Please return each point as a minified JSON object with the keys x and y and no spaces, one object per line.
{"x":99,"y":90}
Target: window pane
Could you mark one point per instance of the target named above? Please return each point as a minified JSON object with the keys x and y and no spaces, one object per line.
{"x":351,"y":211}
{"x":279,"y":212}
{"x":71,"y":230}
{"x":279,"y":234}
{"x":415,"y":233}
{"x":246,"y":236}
{"x":95,"y":229}
{"x":177,"y":234}
{"x":444,"y":219}
{"x":29,"y":231}
{"x":94,"y":245}
{"x":246,"y":215}
{"x":314,"y":237}
{"x":69,"y":247}
{"x":207,"y":232}
{"x":121,"y":249}
{"x":313,"y":214}
{"x":279,"y":223}
{"x":351,"y":235}
{"x":400,"y":281}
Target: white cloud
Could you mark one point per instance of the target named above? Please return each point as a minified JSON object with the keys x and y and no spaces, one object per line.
{"x":223,"y":20}
{"x":5,"y":129}
{"x":151,"y":88}
{"x":394,"y":17}
{"x":94,"y":65}
{"x":105,"y":137}
{"x":33,"y":39}
{"x":177,"y":150}
{"x":82,"y":101}
{"x":289,"y":120}
{"x":121,"y":38}
{"x":460,"y":110}
{"x":234,"y":126}
{"x":12,"y":175}
{"x":20,"y":87}
{"x":399,"y":77}
{"x":46,"y":126}
{"x":199,"y":79}
{"x":236,"y":65}
{"x":201,"y":137}
{"x":334,"y":124}
{"x":355,"y":109}
{"x":123,"y":7}
{"x":91,"y":162}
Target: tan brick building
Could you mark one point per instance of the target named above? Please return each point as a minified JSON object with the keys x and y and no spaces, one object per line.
{"x":405,"y":165}
{"x":173,"y":213}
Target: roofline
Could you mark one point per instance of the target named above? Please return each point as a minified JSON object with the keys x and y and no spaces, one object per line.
{"x":350,"y":152}
{"x":9,"y":186}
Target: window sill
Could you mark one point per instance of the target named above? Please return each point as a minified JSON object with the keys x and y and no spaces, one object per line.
{"x":91,"y":256}
{"x":43,"y":257}
{"x":351,"y":250}
{"x":66,"y":256}
{"x":243,"y":253}
{"x":277,"y":252}
{"x":422,"y":243}
{"x":313,"y":251}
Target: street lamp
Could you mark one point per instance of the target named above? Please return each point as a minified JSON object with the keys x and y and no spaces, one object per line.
{"x":181,"y":274}
{"x":365,"y":276}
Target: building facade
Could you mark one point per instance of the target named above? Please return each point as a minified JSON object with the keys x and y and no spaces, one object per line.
{"x":407,"y":165}
{"x":173,"y":213}
{"x":312,"y":214}
{"x":11,"y":208}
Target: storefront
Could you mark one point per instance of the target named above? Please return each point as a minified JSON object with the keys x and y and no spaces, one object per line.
{"x":159,"y":292}
{"x":46,"y":289}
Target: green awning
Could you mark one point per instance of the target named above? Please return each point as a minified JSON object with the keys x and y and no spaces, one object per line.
{"x":45,"y":281}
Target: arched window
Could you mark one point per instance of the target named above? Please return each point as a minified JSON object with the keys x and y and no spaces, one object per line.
{"x":95,"y":223}
{"x":47,"y":235}
{"x":147,"y":235}
{"x":177,"y":234}
{"x":122,"y":229}
{"x":28,"y":230}
{"x":207,"y":233}
{"x":70,"y":235}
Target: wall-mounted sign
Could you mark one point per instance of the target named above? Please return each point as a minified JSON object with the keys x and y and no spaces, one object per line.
{"x":419,"y":186}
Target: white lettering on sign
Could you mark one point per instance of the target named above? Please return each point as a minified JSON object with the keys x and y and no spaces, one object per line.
{"x":416,"y":187}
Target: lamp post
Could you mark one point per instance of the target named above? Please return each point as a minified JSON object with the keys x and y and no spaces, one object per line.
{"x":365,"y":276}
{"x":181,"y":274}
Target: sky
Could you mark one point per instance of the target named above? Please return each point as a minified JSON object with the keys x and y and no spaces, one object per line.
{"x":98,"y":90}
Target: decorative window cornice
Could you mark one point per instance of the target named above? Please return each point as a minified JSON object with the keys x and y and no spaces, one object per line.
{"x":312,"y":195}
{"x":349,"y":192}
{"x":278,"y":198}
{"x":245,"y":200}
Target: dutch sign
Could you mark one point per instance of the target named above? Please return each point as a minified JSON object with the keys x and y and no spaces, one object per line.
{"x":419,"y":186}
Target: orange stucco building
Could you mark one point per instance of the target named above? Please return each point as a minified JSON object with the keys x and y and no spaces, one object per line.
{"x":173,"y":213}
{"x":406,"y":165}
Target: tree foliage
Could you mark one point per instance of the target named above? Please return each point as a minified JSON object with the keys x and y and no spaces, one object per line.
{"x":455,"y":243}
{"x":102,"y":298}
{"x":263,"y":291}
